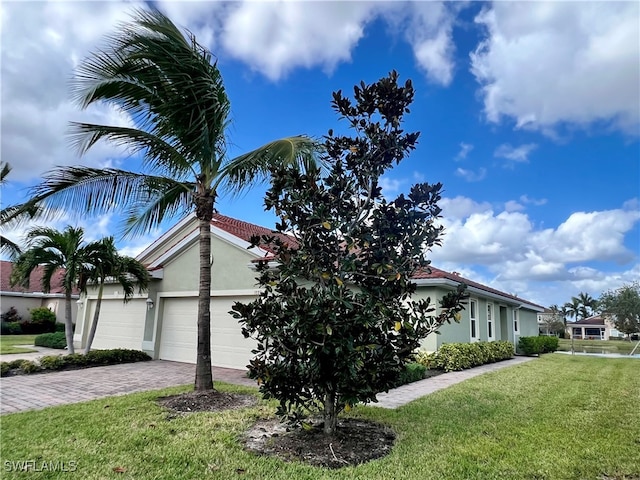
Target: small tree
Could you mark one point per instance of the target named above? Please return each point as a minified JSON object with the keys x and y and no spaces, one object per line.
{"x":336,"y":322}
{"x":623,"y":307}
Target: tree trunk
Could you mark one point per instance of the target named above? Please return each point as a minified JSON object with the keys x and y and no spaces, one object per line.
{"x":204,"y":375}
{"x":330,"y":414}
{"x":68,"y":321}
{"x":94,"y":322}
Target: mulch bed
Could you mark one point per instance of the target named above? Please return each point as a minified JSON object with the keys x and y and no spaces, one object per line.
{"x":209,"y":401}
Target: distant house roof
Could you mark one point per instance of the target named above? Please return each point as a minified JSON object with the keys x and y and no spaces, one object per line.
{"x":433,"y":273}
{"x":35,"y":281}
{"x":593,"y":320}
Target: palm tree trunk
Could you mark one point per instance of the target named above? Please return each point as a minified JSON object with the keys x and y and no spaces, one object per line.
{"x":204,"y":375}
{"x":68,"y":322}
{"x":94,"y":322}
{"x":330,"y":414}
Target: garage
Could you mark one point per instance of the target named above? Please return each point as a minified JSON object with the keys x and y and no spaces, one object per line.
{"x":179,"y":332}
{"x":121,"y":325}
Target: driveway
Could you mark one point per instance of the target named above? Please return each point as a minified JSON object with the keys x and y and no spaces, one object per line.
{"x":37,"y":391}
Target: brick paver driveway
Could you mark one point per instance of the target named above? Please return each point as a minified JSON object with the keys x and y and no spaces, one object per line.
{"x":33,"y":392}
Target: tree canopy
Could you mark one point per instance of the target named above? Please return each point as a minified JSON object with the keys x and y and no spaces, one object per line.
{"x":336,"y":321}
{"x":623,"y":307}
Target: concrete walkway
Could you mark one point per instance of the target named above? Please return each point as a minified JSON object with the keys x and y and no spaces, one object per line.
{"x":37,"y":391}
{"x":412,"y":391}
{"x":39,"y":352}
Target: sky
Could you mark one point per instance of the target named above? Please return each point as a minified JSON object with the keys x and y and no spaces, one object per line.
{"x":529,"y":114}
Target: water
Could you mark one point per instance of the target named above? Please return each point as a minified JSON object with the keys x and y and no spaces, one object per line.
{"x":599,"y":352}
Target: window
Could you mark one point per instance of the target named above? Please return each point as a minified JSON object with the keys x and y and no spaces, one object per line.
{"x":516,"y":323}
{"x":490,"y":332}
{"x":473,"y":320}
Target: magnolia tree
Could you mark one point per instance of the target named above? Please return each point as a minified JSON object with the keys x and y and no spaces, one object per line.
{"x":336,"y":321}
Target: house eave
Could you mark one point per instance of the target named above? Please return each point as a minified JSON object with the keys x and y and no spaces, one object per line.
{"x":36,"y":295}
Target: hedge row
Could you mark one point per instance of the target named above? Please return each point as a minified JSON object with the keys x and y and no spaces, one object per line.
{"x":461,"y":356}
{"x":412,"y":372}
{"x":67,"y":362}
{"x":537,"y":345}
{"x":51,"y":340}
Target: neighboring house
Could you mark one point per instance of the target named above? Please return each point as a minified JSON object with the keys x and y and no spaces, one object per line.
{"x":25,"y":299}
{"x":489,"y":314}
{"x":163,"y":321}
{"x":595,"y":327}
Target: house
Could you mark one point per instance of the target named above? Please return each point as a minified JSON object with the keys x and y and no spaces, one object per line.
{"x":25,"y":299}
{"x":162,"y":322}
{"x":595,"y":327}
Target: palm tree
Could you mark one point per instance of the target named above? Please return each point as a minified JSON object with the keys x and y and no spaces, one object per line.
{"x":105,"y":262}
{"x":573,"y":308}
{"x":174,"y":93}
{"x":589,"y":304}
{"x":53,"y":250}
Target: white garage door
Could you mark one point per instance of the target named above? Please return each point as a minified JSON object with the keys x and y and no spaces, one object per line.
{"x":180,"y":332}
{"x":120,"y":325}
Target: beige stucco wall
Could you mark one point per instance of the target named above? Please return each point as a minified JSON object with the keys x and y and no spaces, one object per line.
{"x":25,"y":303}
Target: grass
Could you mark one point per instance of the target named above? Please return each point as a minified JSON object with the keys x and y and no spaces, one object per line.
{"x":557,"y":417}
{"x":8,"y":343}
{"x":608,"y":346}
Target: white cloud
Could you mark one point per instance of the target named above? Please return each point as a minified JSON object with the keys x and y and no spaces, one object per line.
{"x":36,"y":69}
{"x":546,"y":63}
{"x":533,"y":201}
{"x":276,"y":37}
{"x":465,"y":148}
{"x":390,"y":186}
{"x":522,"y":258}
{"x":515,"y":154}
{"x":470,"y":175}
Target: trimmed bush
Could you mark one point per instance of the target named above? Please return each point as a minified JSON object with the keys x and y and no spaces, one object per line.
{"x":51,"y":340}
{"x":461,"y":356}
{"x":538,"y":345}
{"x":10,"y":328}
{"x":27,"y":366}
{"x":52,"y":362}
{"x":412,"y":373}
{"x":10,"y":316}
{"x":94,"y":358}
{"x":60,"y":327}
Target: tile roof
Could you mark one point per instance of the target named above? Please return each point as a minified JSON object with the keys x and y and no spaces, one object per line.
{"x":593,"y":320}
{"x":245,"y":230}
{"x":436,"y":273}
{"x":35,"y":281}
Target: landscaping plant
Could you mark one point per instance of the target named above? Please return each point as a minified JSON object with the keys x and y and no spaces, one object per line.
{"x":336,"y":322}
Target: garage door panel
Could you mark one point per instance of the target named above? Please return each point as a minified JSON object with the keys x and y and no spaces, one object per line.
{"x":178,"y":340}
{"x":120,"y":325}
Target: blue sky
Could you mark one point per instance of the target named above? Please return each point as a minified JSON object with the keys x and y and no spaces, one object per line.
{"x":529,"y":114}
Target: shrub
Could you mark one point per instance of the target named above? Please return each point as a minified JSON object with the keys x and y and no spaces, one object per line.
{"x":52,"y":362}
{"x":60,"y":327}
{"x":51,"y":340}
{"x":412,"y":373}
{"x":27,"y":366}
{"x":4,"y":369}
{"x":42,"y":320}
{"x":10,"y":328}
{"x":10,"y":315}
{"x":461,"y":356}
{"x":15,"y":363}
{"x":75,"y":360}
{"x":537,"y":345}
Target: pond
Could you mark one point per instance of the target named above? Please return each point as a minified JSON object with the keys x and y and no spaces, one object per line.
{"x":599,"y":352}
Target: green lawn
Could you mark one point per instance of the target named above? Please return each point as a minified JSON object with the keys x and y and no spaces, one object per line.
{"x":557,"y":417}
{"x":599,"y":346}
{"x":8,"y":343}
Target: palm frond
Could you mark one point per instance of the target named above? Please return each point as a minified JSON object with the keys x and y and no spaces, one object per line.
{"x":161,"y":198}
{"x":165,"y":81}
{"x":9,"y":248}
{"x":5,"y":168}
{"x":158,"y":155}
{"x":99,"y":191}
{"x":298,"y":151}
